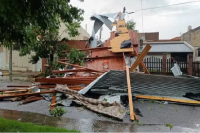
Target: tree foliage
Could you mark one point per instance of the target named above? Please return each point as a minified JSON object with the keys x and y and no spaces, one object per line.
{"x":131,"y":25}
{"x":44,"y":48}
{"x":76,"y":56}
{"x":17,"y":15}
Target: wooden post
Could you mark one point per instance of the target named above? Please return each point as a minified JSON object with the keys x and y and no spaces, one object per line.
{"x":53,"y":101}
{"x":189,"y":64}
{"x":142,"y":64}
{"x":132,"y":114}
{"x":140,"y":58}
{"x":164,"y":60}
{"x":10,"y":60}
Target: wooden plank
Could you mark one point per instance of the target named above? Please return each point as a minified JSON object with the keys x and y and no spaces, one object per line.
{"x":64,"y":63}
{"x":69,"y":81}
{"x":122,"y":29}
{"x":168,"y":99}
{"x":142,"y":63}
{"x":132,"y":114}
{"x":18,"y":86}
{"x":121,"y":22}
{"x":70,"y":87}
{"x":27,"y":94}
{"x":116,"y":43}
{"x":142,"y":55}
{"x":53,"y":101}
{"x":17,"y":91}
{"x":73,"y":70}
{"x":13,"y":89}
{"x":87,"y":49}
{"x":32,"y":99}
{"x":16,"y":99}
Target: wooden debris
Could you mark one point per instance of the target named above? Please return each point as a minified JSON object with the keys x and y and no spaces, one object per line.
{"x":18,"y":86}
{"x":74,"y":70}
{"x":26,"y":94}
{"x":69,"y":81}
{"x":116,"y":43}
{"x":64,"y":63}
{"x":133,"y":116}
{"x":13,"y":89}
{"x":143,"y":65}
{"x":32,"y":99}
{"x":16,"y":99}
{"x":142,"y":55}
{"x":160,"y":98}
{"x":53,"y":101}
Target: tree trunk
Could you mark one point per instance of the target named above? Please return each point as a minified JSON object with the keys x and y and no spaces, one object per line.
{"x":10,"y":61}
{"x":51,"y":57}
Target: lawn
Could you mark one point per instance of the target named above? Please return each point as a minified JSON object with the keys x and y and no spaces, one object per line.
{"x":15,"y":126}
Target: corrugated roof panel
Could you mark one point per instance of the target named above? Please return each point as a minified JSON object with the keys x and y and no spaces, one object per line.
{"x":169,"y":47}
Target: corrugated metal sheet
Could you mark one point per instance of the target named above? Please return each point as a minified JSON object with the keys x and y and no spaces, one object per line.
{"x":168,"y":47}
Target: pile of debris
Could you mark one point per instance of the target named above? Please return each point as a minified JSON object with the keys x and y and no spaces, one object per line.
{"x":102,"y":89}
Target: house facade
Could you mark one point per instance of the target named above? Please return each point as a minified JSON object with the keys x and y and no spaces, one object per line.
{"x":169,"y":48}
{"x":192,"y":36}
{"x":22,"y":63}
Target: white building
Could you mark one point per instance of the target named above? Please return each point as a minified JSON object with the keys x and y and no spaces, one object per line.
{"x":22,"y":63}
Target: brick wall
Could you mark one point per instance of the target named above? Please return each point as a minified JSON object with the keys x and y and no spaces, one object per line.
{"x":192,"y":37}
{"x":151,"y":36}
{"x":195,"y":37}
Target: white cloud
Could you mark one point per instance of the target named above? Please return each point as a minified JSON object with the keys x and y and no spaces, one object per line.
{"x":168,"y":21}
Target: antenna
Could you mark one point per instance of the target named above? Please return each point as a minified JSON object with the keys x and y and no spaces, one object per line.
{"x":124,"y":10}
{"x":100,"y":32}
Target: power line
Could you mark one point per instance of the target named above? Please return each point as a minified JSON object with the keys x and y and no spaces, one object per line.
{"x":142,"y":17}
{"x":164,"y":6}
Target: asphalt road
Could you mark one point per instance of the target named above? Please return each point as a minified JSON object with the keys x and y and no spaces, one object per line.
{"x":155,"y":116}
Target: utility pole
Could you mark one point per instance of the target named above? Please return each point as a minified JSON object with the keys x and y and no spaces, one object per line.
{"x":10,"y":60}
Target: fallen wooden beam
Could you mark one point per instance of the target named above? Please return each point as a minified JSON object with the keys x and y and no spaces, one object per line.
{"x":32,"y":99}
{"x":53,"y":101}
{"x":18,"y":86}
{"x":160,"y":98}
{"x":64,"y":63}
{"x":97,"y":48}
{"x":73,"y":70}
{"x":133,"y":116}
{"x":140,"y":58}
{"x":27,"y":94}
{"x":143,"y":65}
{"x":70,"y":87}
{"x":13,"y":89}
{"x":16,"y":91}
{"x":69,"y":81}
{"x":16,"y":99}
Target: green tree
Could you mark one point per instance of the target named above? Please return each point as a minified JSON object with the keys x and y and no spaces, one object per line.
{"x":47,"y":47}
{"x":131,"y":25}
{"x":18,"y":17}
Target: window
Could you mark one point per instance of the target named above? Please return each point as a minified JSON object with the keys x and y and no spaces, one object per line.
{"x":16,"y":47}
{"x":198,"y":51}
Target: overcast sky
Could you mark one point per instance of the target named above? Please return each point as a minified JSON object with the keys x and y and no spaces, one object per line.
{"x":168,"y":21}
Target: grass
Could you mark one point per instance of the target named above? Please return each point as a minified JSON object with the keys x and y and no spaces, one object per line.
{"x":57,"y":111}
{"x":16,"y":126}
{"x":169,"y":125}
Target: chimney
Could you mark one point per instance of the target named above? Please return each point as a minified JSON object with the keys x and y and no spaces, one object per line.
{"x":189,"y":28}
{"x":86,"y":27}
